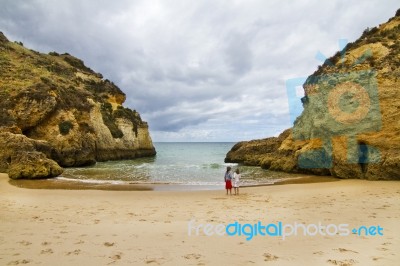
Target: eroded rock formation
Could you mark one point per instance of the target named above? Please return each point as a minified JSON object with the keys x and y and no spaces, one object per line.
{"x":350,"y":125}
{"x":56,"y":111}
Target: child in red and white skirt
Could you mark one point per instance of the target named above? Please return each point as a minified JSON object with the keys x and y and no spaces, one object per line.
{"x":228,"y":180}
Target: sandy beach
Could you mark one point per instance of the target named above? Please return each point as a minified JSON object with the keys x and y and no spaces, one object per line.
{"x":97,"y":227}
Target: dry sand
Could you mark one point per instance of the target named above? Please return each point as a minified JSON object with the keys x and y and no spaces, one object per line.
{"x":93,"y":227}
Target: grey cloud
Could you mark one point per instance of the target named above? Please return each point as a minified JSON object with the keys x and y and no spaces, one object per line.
{"x":238,"y":54}
{"x":175,"y":122}
{"x":197,"y":69}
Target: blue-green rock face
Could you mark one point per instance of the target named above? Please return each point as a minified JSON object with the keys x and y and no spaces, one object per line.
{"x":338,"y":104}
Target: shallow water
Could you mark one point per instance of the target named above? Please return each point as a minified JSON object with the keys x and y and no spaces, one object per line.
{"x":175,"y":163}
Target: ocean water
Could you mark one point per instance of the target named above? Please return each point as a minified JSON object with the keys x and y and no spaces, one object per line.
{"x":197,"y":164}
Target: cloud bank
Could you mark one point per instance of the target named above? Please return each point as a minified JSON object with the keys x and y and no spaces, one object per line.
{"x":197,"y":70}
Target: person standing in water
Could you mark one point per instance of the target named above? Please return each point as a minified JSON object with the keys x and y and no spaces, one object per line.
{"x":236,"y":180}
{"x":228,"y":180}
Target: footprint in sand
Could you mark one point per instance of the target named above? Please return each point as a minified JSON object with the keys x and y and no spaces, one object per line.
{"x":17,"y":262}
{"x":344,"y":250}
{"x":150,"y":261}
{"x":108,"y":244}
{"x":342,"y":262}
{"x":318,"y":253}
{"x":75,"y":252}
{"x":269,"y":257}
{"x":47,"y":251}
{"x":192,"y":256}
{"x":24,"y":242}
{"x":116,"y":256}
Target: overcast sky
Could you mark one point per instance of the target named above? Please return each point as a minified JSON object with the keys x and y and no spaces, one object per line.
{"x":197,"y":70}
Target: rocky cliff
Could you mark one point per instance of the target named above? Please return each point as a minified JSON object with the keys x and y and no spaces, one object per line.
{"x":55,"y":111}
{"x":350,"y":125}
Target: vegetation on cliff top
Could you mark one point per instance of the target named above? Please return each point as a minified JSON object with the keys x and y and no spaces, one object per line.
{"x":368,"y":146}
{"x":55,"y":111}
{"x":385,"y":36}
{"x":37,"y":76}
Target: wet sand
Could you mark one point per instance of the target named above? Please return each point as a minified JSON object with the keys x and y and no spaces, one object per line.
{"x":127,"y":186}
{"x":96,"y":227}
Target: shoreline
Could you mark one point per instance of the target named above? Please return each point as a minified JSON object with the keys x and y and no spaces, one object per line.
{"x":127,"y":186}
{"x":97,"y":227}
